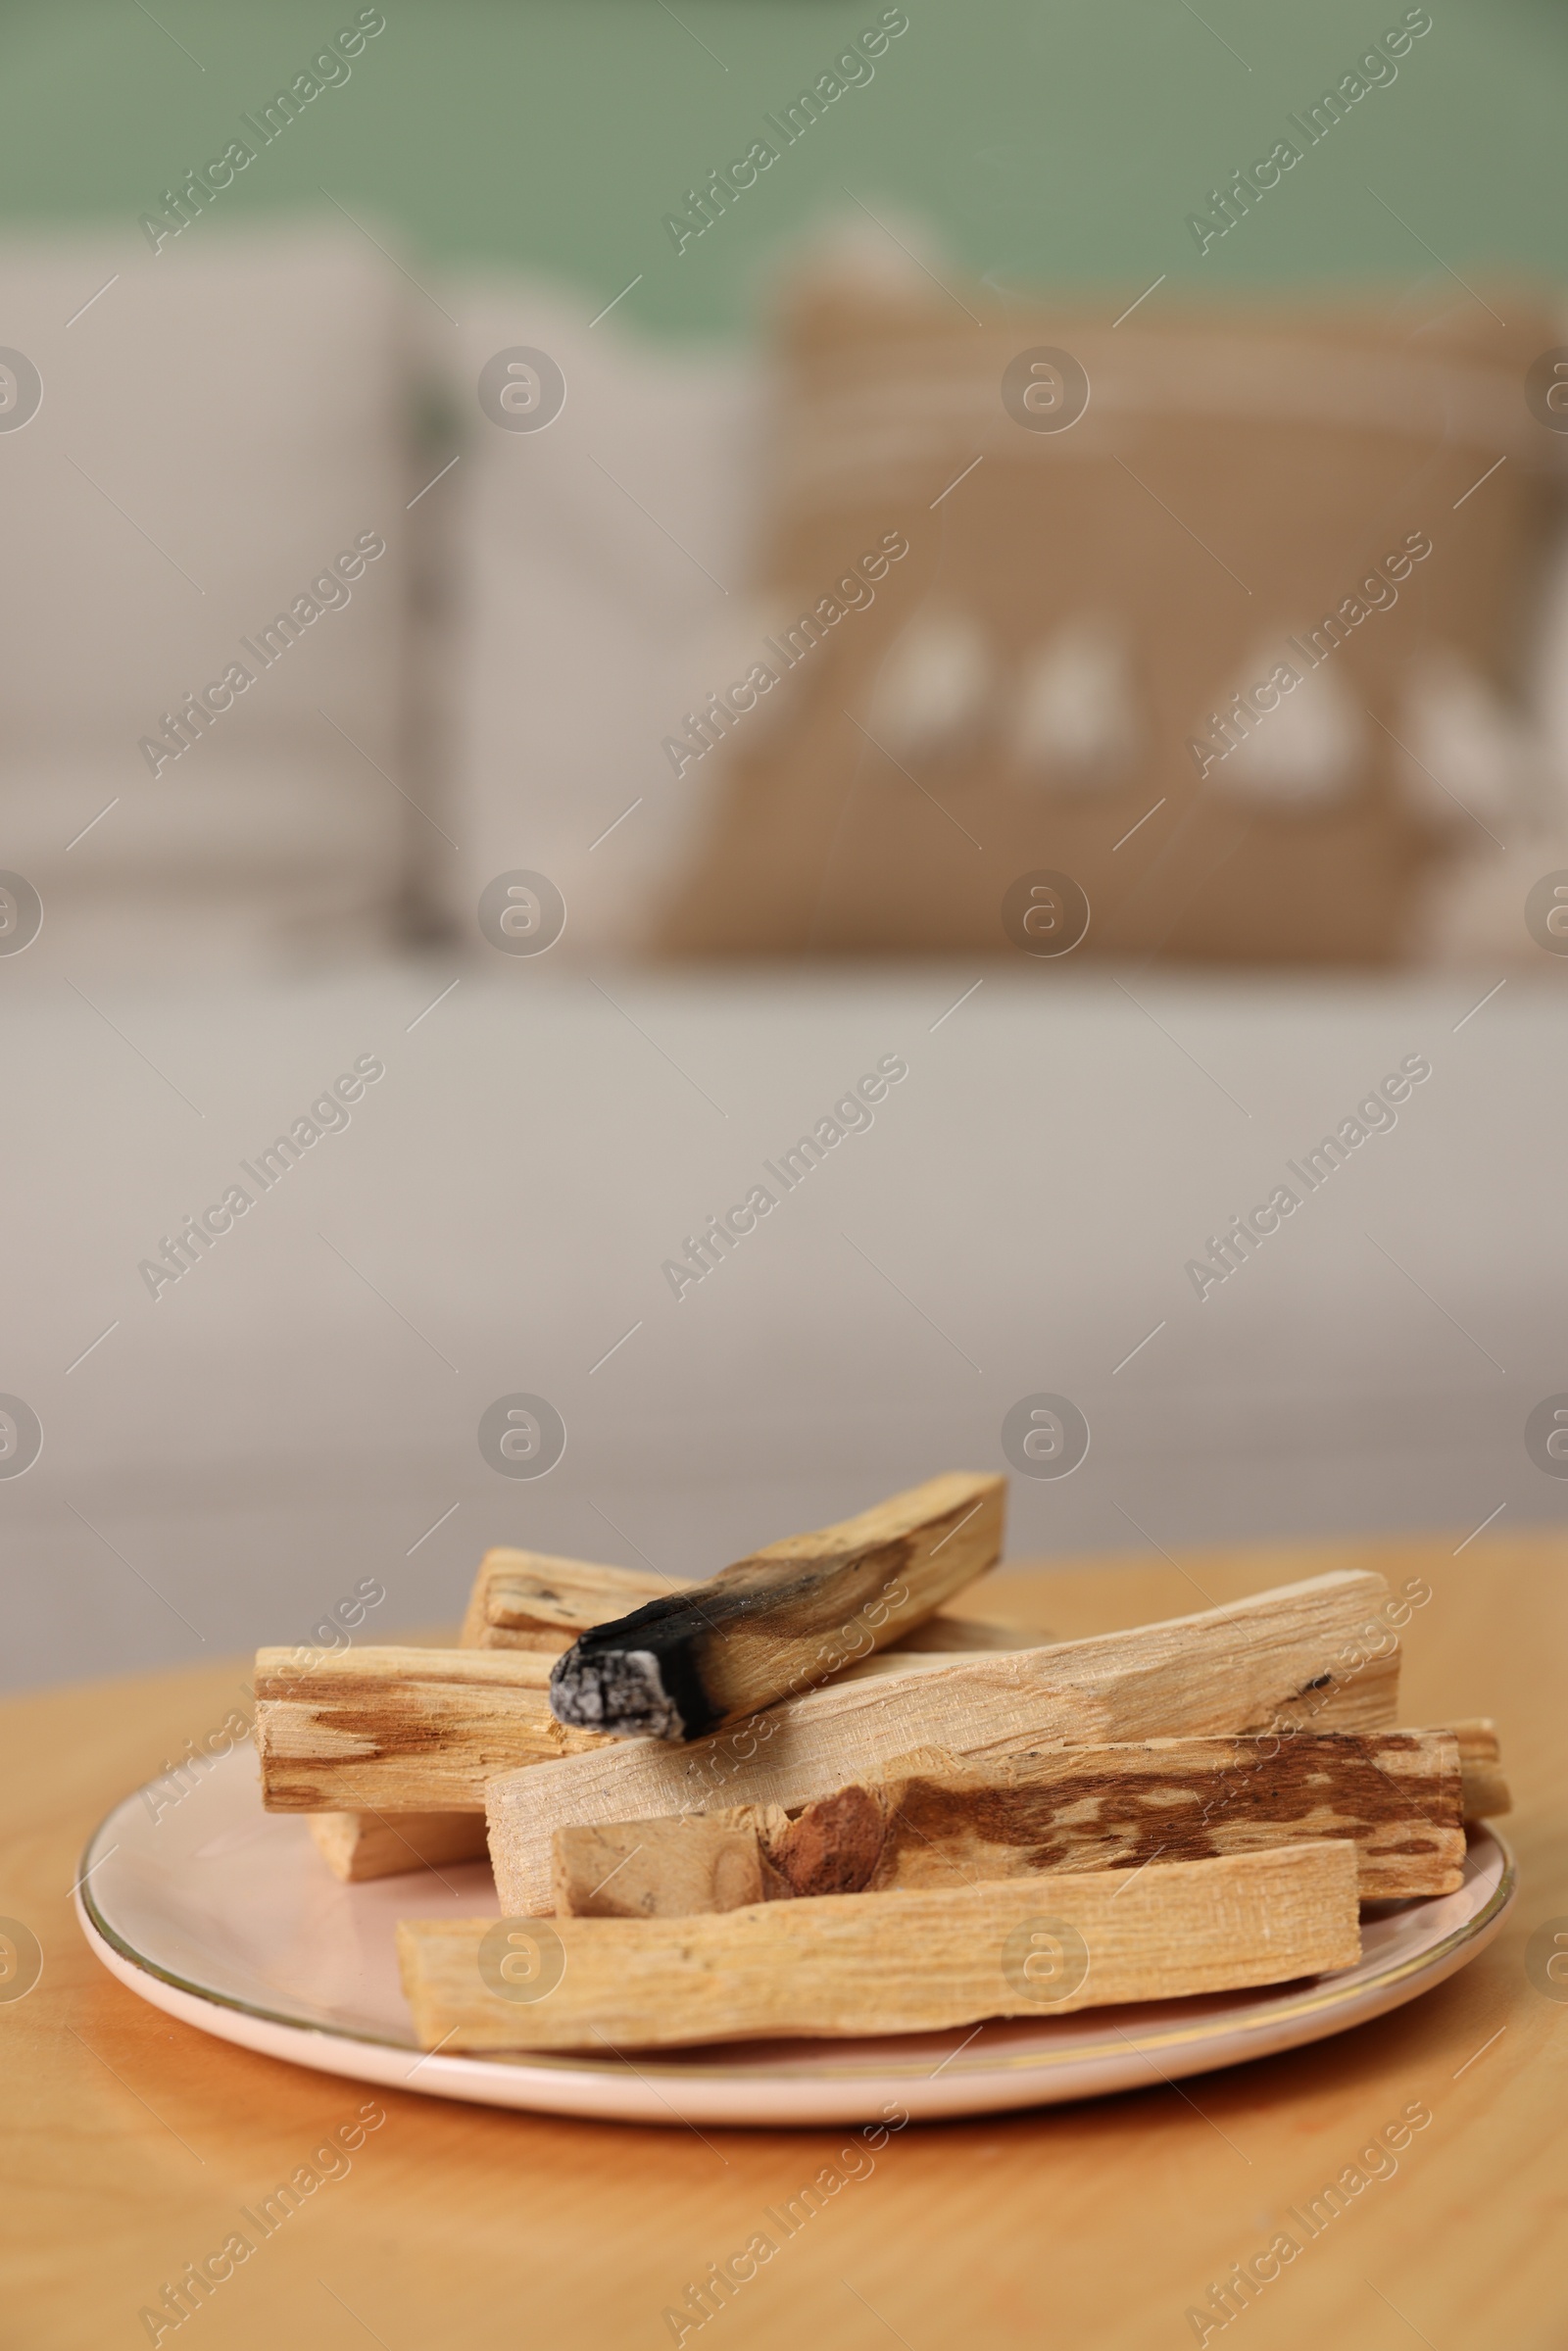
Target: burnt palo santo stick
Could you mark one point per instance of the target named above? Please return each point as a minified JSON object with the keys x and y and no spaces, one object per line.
{"x":775,"y":1623}
{"x":531,"y":1600}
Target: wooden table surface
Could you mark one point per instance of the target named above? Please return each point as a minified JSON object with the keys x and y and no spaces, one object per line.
{"x":131,"y":2142}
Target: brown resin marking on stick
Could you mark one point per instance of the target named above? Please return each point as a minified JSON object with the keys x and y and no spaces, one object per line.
{"x":936,"y":1820}
{"x":401,"y":1730}
{"x":1397,"y":1796}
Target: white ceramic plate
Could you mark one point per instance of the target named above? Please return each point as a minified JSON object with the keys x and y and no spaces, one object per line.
{"x":226,"y":1917}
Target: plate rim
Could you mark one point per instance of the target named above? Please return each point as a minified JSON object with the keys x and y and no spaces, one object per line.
{"x":1285,"y":2011}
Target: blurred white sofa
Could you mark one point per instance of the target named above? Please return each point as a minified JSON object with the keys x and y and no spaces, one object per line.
{"x":299,"y":1410}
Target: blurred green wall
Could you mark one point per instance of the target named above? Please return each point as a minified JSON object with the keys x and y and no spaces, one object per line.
{"x":1057,"y":143}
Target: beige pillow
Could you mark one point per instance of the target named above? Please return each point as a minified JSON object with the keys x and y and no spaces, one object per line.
{"x":1166,"y":589}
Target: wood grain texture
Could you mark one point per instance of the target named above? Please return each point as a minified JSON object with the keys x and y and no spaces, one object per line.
{"x":704,"y":1863}
{"x":784,"y":1618}
{"x":130,"y":2141}
{"x":1485,"y":1790}
{"x":530,"y":1600}
{"x":360,"y":1845}
{"x":401,"y":1730}
{"x":939,"y":1821}
{"x":915,"y":1962}
{"x":518,"y":1600}
{"x":1276,"y":1658}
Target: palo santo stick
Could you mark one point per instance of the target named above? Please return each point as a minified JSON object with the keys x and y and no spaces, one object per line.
{"x":672,"y":1869}
{"x":935,"y":1822}
{"x":914,"y":1962}
{"x":357,"y":1846}
{"x":942,"y":1640}
{"x":1279,"y":1658}
{"x":529,"y":1601}
{"x":401,"y":1730}
{"x":1485,"y":1790}
{"x":1397,"y":1796}
{"x":915,"y":1661}
{"x":779,"y":1621}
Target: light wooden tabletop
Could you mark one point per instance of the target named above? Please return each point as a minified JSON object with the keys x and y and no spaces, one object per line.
{"x":132,"y":2142}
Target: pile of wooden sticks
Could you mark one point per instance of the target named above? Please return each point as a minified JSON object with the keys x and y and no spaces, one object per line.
{"x":806,"y":1798}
